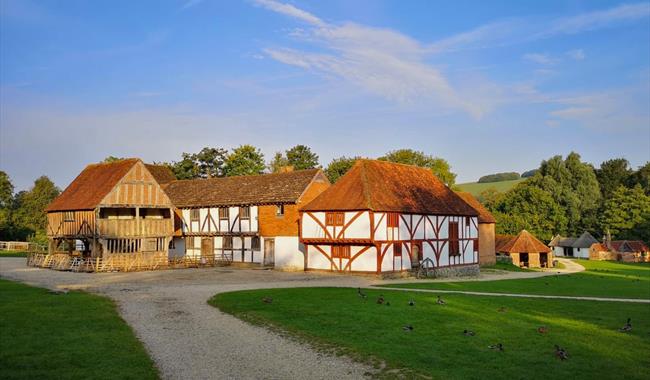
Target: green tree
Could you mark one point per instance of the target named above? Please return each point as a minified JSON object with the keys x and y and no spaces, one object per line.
{"x":210,"y":162}
{"x":641,"y":177}
{"x":339,"y":166}
{"x":612,"y":174}
{"x":110,"y":159}
{"x":531,"y":208}
{"x":498,"y":177}
{"x":438,"y":166}
{"x":6,"y":190}
{"x":278,"y":162}
{"x":29,"y":209}
{"x":186,"y":168}
{"x":626,"y":213}
{"x":244,"y":160}
{"x":301,"y":157}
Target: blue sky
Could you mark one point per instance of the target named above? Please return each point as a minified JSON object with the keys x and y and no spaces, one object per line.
{"x":489,"y":86}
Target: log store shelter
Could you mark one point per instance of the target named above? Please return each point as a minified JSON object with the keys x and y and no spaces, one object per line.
{"x":113,"y":209}
{"x":527,"y":251}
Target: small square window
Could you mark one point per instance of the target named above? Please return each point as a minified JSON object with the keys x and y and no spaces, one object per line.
{"x":224,"y":213}
{"x":334,"y":218}
{"x":227,"y":242}
{"x":341,"y":251}
{"x":244,"y":213}
{"x":397,"y":249}
{"x":475,"y":245}
{"x":279,"y":210}
{"x":255,"y":243}
{"x":393,"y":220}
{"x":194,"y":215}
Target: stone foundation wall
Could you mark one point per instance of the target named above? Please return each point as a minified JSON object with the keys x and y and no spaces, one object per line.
{"x":457,"y":271}
{"x":504,"y":259}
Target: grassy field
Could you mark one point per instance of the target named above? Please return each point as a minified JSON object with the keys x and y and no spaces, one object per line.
{"x":476,"y":188}
{"x":4,"y":253}
{"x":602,"y":278}
{"x":506,"y":267}
{"x":338,"y":319}
{"x":68,"y":336}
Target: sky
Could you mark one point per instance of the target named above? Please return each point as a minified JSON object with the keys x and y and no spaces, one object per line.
{"x":489,"y":86}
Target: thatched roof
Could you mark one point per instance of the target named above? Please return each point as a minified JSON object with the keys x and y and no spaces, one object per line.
{"x":584,"y":241}
{"x":524,"y":242}
{"x":559,"y":241}
{"x":277,"y":188}
{"x":390,"y":187}
{"x":484,"y":216}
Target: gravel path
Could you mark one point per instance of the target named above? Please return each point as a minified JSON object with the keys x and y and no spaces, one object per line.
{"x":189,"y":339}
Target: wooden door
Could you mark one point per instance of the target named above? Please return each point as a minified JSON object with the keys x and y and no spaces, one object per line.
{"x":207,"y":247}
{"x":269,"y":252}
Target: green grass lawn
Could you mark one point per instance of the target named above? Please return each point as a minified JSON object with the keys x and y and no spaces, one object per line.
{"x":476,"y":188}
{"x":602,"y":278}
{"x":68,"y":336}
{"x":4,"y":253}
{"x":505,"y":266}
{"x":337,"y":319}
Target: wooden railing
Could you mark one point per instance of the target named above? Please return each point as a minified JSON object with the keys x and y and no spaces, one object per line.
{"x":135,"y":227}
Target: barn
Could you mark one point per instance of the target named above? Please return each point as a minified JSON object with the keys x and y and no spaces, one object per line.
{"x":384,"y":217}
{"x":244,"y":219}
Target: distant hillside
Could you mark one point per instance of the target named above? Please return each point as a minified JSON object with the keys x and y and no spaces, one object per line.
{"x":476,"y":188}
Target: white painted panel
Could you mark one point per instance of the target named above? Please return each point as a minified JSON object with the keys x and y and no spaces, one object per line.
{"x":316,"y":259}
{"x":360,"y":228}
{"x":444,"y":229}
{"x":429,"y":223}
{"x":203,"y":223}
{"x":404,"y":223}
{"x":288,"y":254}
{"x":311,"y":228}
{"x":419,"y":228}
{"x":366,"y":262}
{"x":387,"y":263}
{"x":428,"y":253}
{"x":254,"y":219}
{"x":380,"y":226}
{"x":179,"y":248}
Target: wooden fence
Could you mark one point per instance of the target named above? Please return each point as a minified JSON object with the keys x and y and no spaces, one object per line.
{"x":20,"y":246}
{"x":127,"y":262}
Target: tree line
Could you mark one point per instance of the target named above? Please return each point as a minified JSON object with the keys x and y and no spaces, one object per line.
{"x":567,"y":196}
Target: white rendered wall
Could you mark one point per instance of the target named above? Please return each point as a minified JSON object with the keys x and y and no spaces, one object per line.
{"x":288,"y":255}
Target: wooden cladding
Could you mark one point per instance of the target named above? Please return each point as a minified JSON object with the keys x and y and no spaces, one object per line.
{"x":135,"y":245}
{"x":70,"y":223}
{"x":341,"y":251}
{"x":137,"y":187}
{"x":334,"y":218}
{"x":135,"y":227}
{"x":454,"y":246}
{"x":392,"y":219}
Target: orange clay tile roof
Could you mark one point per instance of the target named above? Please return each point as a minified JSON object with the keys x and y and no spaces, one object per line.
{"x":91,"y":186}
{"x":599,"y":247}
{"x":277,"y":188}
{"x":389,"y":187}
{"x":484,"y":216}
{"x":501,"y":240}
{"x":629,"y":246}
{"x":161,"y":173}
{"x":525,"y":242}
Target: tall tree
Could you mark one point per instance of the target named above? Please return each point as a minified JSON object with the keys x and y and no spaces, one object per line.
{"x":210,"y":162}
{"x":110,"y":159}
{"x":301,"y":157}
{"x":626,"y":212}
{"x":339,"y":166}
{"x":29,"y":214}
{"x":244,"y":160}
{"x":438,"y":166}
{"x":278,"y":162}
{"x":186,"y":168}
{"x":641,"y":177}
{"x":6,"y":201}
{"x":612,"y":174}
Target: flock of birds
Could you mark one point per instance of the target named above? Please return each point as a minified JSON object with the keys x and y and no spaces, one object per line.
{"x":560,"y":352}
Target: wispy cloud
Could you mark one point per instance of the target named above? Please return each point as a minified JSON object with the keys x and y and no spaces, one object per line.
{"x":191,"y":3}
{"x":542,"y":59}
{"x":577,"y":54}
{"x":598,"y":19}
{"x":290,"y":10}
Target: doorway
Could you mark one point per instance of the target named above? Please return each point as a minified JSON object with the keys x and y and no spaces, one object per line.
{"x":523,"y":260}
{"x":207,"y":248}
{"x":416,"y":254}
{"x":543,"y":259}
{"x":269,"y":252}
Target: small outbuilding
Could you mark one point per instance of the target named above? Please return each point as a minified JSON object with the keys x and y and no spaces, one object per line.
{"x":573,"y":247}
{"x":527,"y":251}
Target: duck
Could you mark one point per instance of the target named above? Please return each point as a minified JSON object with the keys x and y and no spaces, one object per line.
{"x":440,"y":301}
{"x":381,"y":299}
{"x":561,"y":353}
{"x":267,"y":300}
{"x":407,"y":328}
{"x":542,"y":329}
{"x":498,"y":347}
{"x":361,"y":294}
{"x":627,"y":327}
{"x":411,"y":303}
{"x":468,"y":332}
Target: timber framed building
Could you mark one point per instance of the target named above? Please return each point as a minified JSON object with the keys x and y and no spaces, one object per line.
{"x":385,"y":217}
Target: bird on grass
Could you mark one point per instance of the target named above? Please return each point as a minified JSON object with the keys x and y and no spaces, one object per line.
{"x":561,"y":353}
{"x":468,"y":333}
{"x":498,"y":347}
{"x":407,"y":328}
{"x":381,"y":299}
{"x":57,"y":292}
{"x":627,"y":327}
{"x":361,"y":294}
{"x":440,"y":301}
{"x":267,"y":300}
{"x":542,"y":329}
{"x":387,"y":303}
{"x":411,"y":303}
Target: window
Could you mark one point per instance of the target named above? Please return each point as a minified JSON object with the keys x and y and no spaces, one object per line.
{"x":467,"y":220}
{"x":68,"y":216}
{"x":244,"y":213}
{"x":154,"y":213}
{"x":393,"y":219}
{"x":341,"y":251}
{"x":190,"y":242}
{"x":224,"y":213}
{"x":279,"y":210}
{"x":397,"y":249}
{"x":454,"y":246}
{"x":227,"y":242}
{"x":194,"y":215}
{"x":333,"y":218}
{"x":255,"y":243}
{"x":475,"y":245}
{"x":117,"y":213}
